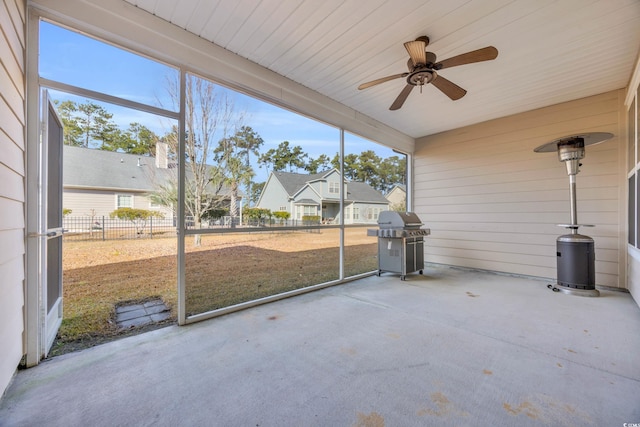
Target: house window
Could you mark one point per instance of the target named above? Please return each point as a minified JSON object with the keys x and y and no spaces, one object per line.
{"x":124,"y":201}
{"x":334,"y":187}
{"x":283,"y":208}
{"x":356,"y":213}
{"x":310,"y":210}
{"x":347,"y":212}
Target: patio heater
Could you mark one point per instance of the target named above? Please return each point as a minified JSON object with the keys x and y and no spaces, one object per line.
{"x":575,"y":252}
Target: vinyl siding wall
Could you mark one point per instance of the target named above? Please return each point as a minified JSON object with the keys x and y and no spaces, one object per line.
{"x":12,"y":186}
{"x":633,"y":253}
{"x":492,"y":203}
{"x":98,"y":203}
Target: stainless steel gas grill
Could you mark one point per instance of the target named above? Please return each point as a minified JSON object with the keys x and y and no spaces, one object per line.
{"x":400,"y":242}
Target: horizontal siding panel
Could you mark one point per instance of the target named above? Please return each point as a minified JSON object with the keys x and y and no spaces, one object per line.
{"x":610,"y":280}
{"x":12,"y":63}
{"x":12,"y":184}
{"x":506,"y":163}
{"x":11,"y":214}
{"x":491,"y":176}
{"x":497,"y":247}
{"x":11,"y":123}
{"x":547,"y":240}
{"x":584,"y":183}
{"x":86,"y":203}
{"x":21,"y":5}
{"x":12,"y":95}
{"x":101,"y":203}
{"x":493,"y":256}
{"x":530,"y":207}
{"x":516,"y":156}
{"x":594,"y":194}
{"x":529,"y":124}
{"x":502,"y":144}
{"x":492,"y":203}
{"x":549,"y":229}
{"x":501,"y":266}
{"x":523,"y":217}
{"x":12,"y":155}
{"x":11,"y":246}
{"x":12,"y":272}
{"x":13,"y":35}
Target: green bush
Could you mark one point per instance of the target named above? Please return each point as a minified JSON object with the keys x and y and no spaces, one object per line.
{"x":256,"y":213}
{"x":282,"y":216}
{"x":138,"y":217}
{"x":311,"y":219}
{"x":215,"y":213}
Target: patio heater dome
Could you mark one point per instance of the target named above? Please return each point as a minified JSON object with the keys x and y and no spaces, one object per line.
{"x":575,"y":252}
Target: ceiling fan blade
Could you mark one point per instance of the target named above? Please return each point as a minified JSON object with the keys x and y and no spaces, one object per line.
{"x":449,"y":88}
{"x":401,"y":98}
{"x":381,"y":80}
{"x":416,"y":50}
{"x":485,"y":54}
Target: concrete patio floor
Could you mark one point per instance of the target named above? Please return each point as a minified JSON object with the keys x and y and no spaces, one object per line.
{"x":450,"y":348}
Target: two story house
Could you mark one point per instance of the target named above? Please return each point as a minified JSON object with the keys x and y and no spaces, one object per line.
{"x":319,"y":195}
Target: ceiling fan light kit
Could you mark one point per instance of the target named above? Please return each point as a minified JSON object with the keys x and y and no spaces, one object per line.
{"x":422,"y":67}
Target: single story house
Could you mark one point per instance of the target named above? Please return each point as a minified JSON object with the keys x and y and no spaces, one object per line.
{"x":97,"y":182}
{"x":319,"y":195}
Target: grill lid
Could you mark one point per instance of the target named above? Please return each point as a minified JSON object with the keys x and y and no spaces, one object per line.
{"x":393,"y":219}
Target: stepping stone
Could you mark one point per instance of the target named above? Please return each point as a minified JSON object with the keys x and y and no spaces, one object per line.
{"x":141,"y":314}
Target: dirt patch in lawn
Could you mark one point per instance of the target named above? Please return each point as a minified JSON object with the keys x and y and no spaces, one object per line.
{"x":226,"y":269}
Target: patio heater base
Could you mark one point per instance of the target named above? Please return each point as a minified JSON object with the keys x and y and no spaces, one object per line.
{"x":578,"y":292}
{"x":576,"y":265}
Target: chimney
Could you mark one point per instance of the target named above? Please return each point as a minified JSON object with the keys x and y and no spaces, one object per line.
{"x":162,"y":152}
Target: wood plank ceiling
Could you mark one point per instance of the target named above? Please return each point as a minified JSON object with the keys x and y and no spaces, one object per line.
{"x":551,"y":51}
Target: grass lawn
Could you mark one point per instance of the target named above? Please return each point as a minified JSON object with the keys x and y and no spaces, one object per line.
{"x":225,"y":270}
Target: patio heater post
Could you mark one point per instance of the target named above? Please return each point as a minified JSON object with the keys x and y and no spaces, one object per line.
{"x":575,"y":252}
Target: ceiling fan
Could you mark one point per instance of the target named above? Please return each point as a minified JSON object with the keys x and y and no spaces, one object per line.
{"x":423,"y":66}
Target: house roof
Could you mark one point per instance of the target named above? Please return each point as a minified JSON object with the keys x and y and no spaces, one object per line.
{"x":400,"y":187}
{"x":363,"y":192}
{"x":89,"y":168}
{"x":100,"y":169}
{"x":306,"y":202}
{"x":293,"y":182}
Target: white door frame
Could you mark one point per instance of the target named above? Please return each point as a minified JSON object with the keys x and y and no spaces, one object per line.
{"x":42,"y":323}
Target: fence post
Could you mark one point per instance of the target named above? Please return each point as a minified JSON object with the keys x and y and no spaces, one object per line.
{"x":103,"y":228}
{"x":151,"y":227}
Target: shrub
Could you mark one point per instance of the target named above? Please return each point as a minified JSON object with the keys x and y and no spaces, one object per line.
{"x":311,"y":219}
{"x":138,"y":217}
{"x":256,"y":213}
{"x":282,"y":216}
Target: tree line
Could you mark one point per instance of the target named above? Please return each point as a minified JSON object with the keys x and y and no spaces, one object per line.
{"x":90,"y":125}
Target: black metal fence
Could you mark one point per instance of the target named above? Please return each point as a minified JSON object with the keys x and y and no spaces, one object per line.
{"x":107,"y":228}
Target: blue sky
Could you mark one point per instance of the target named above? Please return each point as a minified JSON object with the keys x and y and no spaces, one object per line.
{"x":78,"y":60}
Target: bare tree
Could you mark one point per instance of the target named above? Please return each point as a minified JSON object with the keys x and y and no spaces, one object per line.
{"x":210,"y":116}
